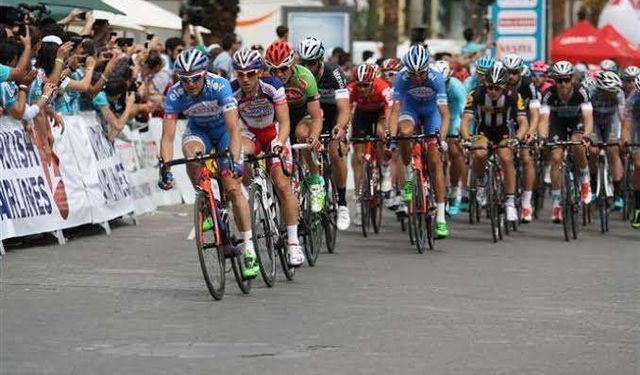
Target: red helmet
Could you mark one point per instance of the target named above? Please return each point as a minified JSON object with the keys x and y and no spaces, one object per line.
{"x":366,"y":73}
{"x":278,"y":54}
{"x":391,"y":64}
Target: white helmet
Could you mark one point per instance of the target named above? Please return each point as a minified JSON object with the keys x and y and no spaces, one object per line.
{"x":608,"y":81}
{"x":630,"y":72}
{"x":513,"y":62}
{"x":589,"y":83}
{"x":310,"y":48}
{"x":609,"y":65}
{"x":562,"y":68}
{"x":636,"y":83}
{"x":442,"y":66}
{"x":417,"y":59}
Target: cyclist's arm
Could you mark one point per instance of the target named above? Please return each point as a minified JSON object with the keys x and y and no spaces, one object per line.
{"x":625,"y":136}
{"x":464,"y":126}
{"x":315,"y":112}
{"x":231,"y":121}
{"x":168,"y":134}
{"x":445,"y":117}
{"x":284,"y":126}
{"x":392,"y":122}
{"x":523,"y":126}
{"x":587,"y":119}
{"x":344,"y":112}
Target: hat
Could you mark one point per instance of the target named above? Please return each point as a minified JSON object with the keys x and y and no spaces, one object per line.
{"x":211,"y":47}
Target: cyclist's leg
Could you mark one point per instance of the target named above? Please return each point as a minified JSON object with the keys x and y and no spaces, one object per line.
{"x":528,"y":178}
{"x":195,"y":140}
{"x":249,"y":145}
{"x":303,"y":131}
{"x":407,"y":120}
{"x":505,"y":156}
{"x":615,"y":162}
{"x":362,"y":127}
{"x":580,"y":158}
{"x":338,"y":164}
{"x":635,"y":219}
{"x":432,"y":123}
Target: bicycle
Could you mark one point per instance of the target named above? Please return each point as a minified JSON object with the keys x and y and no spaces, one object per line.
{"x":370,"y":191}
{"x":330,"y":211}
{"x":495,"y":208}
{"x":268,"y":235}
{"x":422,"y":207}
{"x":310,"y":225}
{"x":539,"y":191}
{"x":627,"y":182}
{"x":570,"y":191}
{"x":214,"y":246}
{"x":604,"y":185}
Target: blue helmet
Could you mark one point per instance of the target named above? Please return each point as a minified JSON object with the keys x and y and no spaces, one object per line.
{"x":191,"y":60}
{"x":247,"y":59}
{"x":417,"y":59}
{"x":484,"y":63}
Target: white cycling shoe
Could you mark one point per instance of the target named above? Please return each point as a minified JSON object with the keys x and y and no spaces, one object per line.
{"x":344,"y":220}
{"x":296,"y":255}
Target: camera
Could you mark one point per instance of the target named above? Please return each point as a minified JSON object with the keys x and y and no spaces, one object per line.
{"x":14,"y":15}
{"x":194,"y":11}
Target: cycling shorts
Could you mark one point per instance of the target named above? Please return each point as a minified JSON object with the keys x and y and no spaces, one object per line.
{"x":364,"y":123}
{"x":264,"y":140}
{"x":427,"y":116}
{"x":561,"y":132}
{"x":609,"y":132}
{"x":214,"y":137}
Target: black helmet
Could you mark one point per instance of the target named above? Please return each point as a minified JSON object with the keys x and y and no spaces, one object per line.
{"x":496,"y":75}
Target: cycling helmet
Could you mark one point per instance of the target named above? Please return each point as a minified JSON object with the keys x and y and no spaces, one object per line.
{"x":278,"y":54}
{"x":417,"y":59}
{"x":442,"y":66}
{"x":562,"y":68}
{"x":484,"y":63}
{"x":608,"y":81}
{"x":581,"y":69}
{"x":589,"y":83}
{"x":310,"y":48}
{"x":513,"y":62}
{"x":247,"y":59}
{"x":539,"y":67}
{"x":630,"y":72}
{"x":636,"y":83}
{"x":496,"y":75}
{"x":391,"y":65}
{"x":526,"y":72}
{"x":366,"y":73}
{"x":191,"y":61}
{"x":609,"y":65}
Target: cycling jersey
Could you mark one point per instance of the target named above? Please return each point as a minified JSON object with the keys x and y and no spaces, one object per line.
{"x":301,"y":89}
{"x":607,"y":110}
{"x":332,"y":86}
{"x":456,"y":97}
{"x":528,"y":92}
{"x":632,"y":113}
{"x":565,"y":116}
{"x":378,"y":99}
{"x":257,"y":113}
{"x":471,"y":83}
{"x":495,"y":118}
{"x":205,"y":112}
{"x":369,"y":108}
{"x":419,"y":103}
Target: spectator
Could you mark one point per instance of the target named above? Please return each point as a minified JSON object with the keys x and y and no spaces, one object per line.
{"x":224,"y":62}
{"x":283,"y":33}
{"x":472,"y":47}
{"x":366,"y":56}
{"x":172,"y":48}
{"x":335,"y":55}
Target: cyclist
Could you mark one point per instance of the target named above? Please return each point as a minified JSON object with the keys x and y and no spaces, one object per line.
{"x":456,"y":97}
{"x":207,"y":101}
{"x":421,"y":99}
{"x":395,"y":172}
{"x":608,"y":103}
{"x":334,"y":101}
{"x":628,"y":76}
{"x":531,"y":96}
{"x":566,"y":114}
{"x":264,"y":127}
{"x":303,"y":99}
{"x":495,"y":107}
{"x":539,"y":76}
{"x":370,"y":98}
{"x":483,"y":64}
{"x":609,"y":65}
{"x":631,"y":134}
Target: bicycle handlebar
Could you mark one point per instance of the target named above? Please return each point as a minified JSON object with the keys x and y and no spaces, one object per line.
{"x":200,"y":158}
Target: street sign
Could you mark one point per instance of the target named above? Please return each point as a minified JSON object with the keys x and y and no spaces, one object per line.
{"x":519,"y":27}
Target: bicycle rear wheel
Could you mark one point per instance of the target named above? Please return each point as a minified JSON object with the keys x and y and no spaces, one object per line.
{"x":430,"y":214}
{"x":365,"y":198}
{"x":492,"y":208}
{"x":575,"y":206}
{"x":210,"y":255}
{"x":627,"y":190}
{"x":567,"y":198}
{"x":308,"y":236}
{"x":262,"y":235}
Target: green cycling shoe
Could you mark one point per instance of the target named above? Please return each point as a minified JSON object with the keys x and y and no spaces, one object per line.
{"x":442,"y":230}
{"x":407,"y":190}
{"x":251,"y":267}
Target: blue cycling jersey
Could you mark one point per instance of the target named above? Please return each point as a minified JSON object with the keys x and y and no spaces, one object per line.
{"x":457,"y":97}
{"x":471,"y":83}
{"x":419,"y":102}
{"x":206,"y":109}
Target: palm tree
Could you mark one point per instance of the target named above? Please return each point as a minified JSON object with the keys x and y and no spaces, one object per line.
{"x":390,"y":35}
{"x":220,"y":17}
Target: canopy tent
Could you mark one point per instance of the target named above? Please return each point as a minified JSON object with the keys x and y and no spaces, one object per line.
{"x":620,"y":42}
{"x":70,"y":4}
{"x":143,"y":13}
{"x":583,"y":42}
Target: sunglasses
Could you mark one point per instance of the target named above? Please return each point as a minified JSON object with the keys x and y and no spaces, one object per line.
{"x":309,"y":63}
{"x":364,"y":85}
{"x":247,"y":73}
{"x":282,"y":69}
{"x":193,"y":78}
{"x":563,"y":80}
{"x":494,"y":88}
{"x":514,"y":72}
{"x":418,"y":74}
{"x":390,"y":74}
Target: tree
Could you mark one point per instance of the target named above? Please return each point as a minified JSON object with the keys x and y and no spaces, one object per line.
{"x":390,"y":35}
{"x":220,"y":18}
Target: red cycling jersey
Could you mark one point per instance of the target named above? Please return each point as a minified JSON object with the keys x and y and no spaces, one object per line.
{"x":378,"y":99}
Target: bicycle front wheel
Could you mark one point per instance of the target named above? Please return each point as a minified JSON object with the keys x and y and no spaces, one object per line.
{"x":210,"y":252}
{"x":376,"y":200}
{"x":330,"y":217}
{"x":419,"y":216}
{"x":262,"y":235}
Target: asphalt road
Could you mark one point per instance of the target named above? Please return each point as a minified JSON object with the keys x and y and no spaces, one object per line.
{"x":135,"y":303}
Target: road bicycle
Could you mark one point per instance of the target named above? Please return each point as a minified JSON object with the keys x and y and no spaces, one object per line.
{"x":369,"y":194}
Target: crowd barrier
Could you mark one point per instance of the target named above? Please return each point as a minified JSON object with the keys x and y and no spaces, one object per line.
{"x":85,"y":179}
